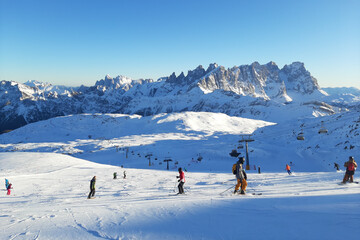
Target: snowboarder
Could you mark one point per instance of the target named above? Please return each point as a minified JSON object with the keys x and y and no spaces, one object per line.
{"x":337,"y":166}
{"x":288,"y":169}
{"x":240,"y":176}
{"x":92,"y":187}
{"x":6,"y":183}
{"x":181,"y":181}
{"x":9,"y":187}
{"x":115,"y":175}
{"x":351,"y":166}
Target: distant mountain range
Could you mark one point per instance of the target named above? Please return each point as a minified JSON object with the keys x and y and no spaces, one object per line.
{"x":256,"y":91}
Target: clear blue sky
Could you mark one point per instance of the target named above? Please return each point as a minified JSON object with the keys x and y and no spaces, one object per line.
{"x":79,"y":42}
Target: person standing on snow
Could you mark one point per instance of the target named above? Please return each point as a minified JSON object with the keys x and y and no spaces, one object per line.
{"x":288,"y":169}
{"x":181,"y":181}
{"x":240,"y":176}
{"x":351,"y":166}
{"x":9,"y":187}
{"x":92,"y":187}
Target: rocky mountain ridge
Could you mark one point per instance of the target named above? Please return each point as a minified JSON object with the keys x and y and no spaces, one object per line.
{"x":256,"y":91}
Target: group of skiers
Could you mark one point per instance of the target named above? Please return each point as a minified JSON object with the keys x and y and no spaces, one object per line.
{"x":241,"y":176}
{"x":237,"y":169}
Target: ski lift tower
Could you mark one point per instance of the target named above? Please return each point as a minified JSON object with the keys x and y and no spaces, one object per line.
{"x":148,"y":156}
{"x":167,"y":161}
{"x":246,"y":139}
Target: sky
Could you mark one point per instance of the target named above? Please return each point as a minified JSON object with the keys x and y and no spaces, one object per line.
{"x":78,"y":42}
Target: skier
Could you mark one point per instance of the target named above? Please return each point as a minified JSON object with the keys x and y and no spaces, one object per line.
{"x":351,"y":166}
{"x":6,"y":183}
{"x":9,"y":187}
{"x":288,"y":169}
{"x":337,"y":166}
{"x":115,"y":175}
{"x":92,"y":187}
{"x":240,"y":176}
{"x":181,"y":181}
{"x":124,"y":174}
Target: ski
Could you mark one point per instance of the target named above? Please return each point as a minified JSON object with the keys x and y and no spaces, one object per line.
{"x":341,"y":183}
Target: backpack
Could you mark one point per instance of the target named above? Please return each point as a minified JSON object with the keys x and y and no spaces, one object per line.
{"x":234,"y":169}
{"x":351,"y":166}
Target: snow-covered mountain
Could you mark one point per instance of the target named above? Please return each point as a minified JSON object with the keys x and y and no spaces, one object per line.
{"x":343,"y":97}
{"x":255,"y":91}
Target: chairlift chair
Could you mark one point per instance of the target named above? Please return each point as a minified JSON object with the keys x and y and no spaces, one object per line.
{"x":300,"y":136}
{"x":322,"y":129}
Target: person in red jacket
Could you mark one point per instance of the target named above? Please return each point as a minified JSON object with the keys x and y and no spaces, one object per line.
{"x":181,"y":181}
{"x":288,"y":169}
{"x":351,"y":166}
{"x":9,"y":187}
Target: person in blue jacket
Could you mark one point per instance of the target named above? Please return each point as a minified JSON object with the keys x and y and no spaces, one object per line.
{"x":6,"y":183}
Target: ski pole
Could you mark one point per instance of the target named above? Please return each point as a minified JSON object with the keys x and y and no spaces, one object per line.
{"x":228,"y":189}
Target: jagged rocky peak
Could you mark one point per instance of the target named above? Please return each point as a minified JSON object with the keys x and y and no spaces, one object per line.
{"x":212,"y":66}
{"x":272,"y":66}
{"x":37,"y":84}
{"x":296,"y":77}
{"x":192,"y":75}
{"x":113,"y":83}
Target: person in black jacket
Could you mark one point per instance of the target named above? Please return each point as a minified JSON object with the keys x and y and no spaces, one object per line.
{"x":92,"y":187}
{"x":240,"y":176}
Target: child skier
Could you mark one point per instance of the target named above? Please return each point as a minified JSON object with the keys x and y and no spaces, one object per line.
{"x":240,"y":176}
{"x":351,"y":166}
{"x":92,"y":187}
{"x":181,"y":181}
{"x":9,"y":187}
{"x":288,"y":169}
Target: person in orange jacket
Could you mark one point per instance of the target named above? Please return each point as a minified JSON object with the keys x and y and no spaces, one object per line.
{"x":288,"y":169}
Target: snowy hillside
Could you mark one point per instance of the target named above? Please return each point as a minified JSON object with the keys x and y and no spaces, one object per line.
{"x":252,"y":91}
{"x":109,"y":138}
{"x":184,"y":137}
{"x":343,"y":97}
{"x":48,"y":201}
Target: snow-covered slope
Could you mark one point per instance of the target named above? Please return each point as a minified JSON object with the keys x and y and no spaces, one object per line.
{"x":184,"y":137}
{"x":343,"y":97}
{"x":252,"y":91}
{"x":48,"y":201}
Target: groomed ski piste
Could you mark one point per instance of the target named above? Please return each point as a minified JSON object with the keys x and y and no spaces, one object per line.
{"x":51,"y":163}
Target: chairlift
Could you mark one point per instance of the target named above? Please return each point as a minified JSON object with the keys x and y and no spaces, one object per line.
{"x":300,"y":136}
{"x":322,"y":128}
